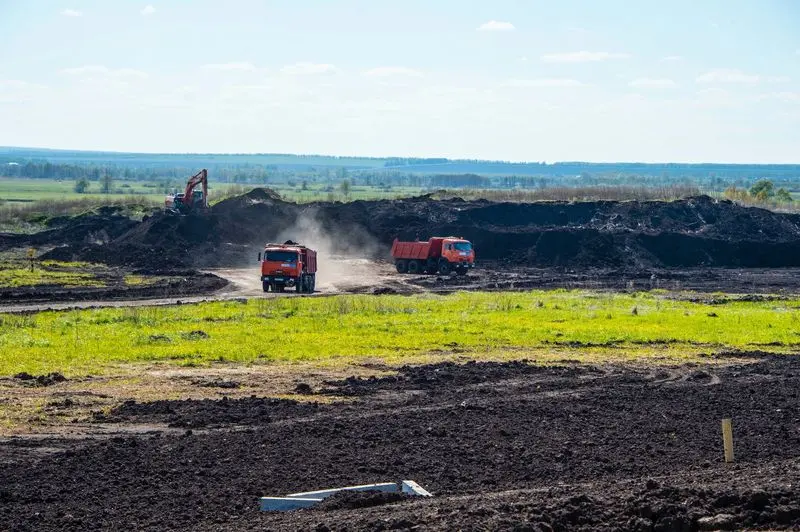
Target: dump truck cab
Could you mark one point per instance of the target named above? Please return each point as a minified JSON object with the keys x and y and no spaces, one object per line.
{"x":288,"y":265}
{"x":458,"y":252}
{"x":439,"y":254}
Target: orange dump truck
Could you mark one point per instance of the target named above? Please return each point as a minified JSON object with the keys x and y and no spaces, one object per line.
{"x":288,"y":265}
{"x":442,"y":254}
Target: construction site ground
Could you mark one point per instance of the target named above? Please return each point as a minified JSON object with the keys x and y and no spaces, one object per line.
{"x":500,"y":445}
{"x":504,"y":445}
{"x":362,"y":275}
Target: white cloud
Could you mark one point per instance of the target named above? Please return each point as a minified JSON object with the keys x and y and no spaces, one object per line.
{"x":381,"y":72}
{"x":523,"y":58}
{"x":495,"y":25}
{"x":671,"y":58}
{"x":788,"y":97}
{"x":148,"y":10}
{"x":717,"y":98}
{"x":100,"y":70}
{"x":71,"y":13}
{"x":653,"y":83}
{"x":582,"y":57}
{"x":242,"y":66}
{"x":543,"y":82}
{"x":304,"y":68}
{"x":728,"y":75}
{"x":14,"y":91}
{"x":19,"y":84}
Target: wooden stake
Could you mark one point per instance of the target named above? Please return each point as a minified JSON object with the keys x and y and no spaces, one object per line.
{"x":727,"y":439}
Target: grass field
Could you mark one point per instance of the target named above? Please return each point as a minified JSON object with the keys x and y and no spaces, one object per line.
{"x":15,"y":273}
{"x":18,"y":190}
{"x":15,"y":190}
{"x":394,"y":329}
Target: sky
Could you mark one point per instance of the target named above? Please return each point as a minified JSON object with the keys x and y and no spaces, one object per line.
{"x":567,"y":80}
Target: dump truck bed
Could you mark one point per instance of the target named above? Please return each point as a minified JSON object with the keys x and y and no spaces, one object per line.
{"x":417,"y":250}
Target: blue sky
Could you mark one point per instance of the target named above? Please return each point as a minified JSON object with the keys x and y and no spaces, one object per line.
{"x":681,"y":81}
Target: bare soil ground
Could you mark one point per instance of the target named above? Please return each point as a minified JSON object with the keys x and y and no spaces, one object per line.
{"x":359,"y":275}
{"x":501,"y":446}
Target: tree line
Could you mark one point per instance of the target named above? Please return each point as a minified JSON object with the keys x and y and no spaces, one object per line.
{"x":171,"y":177}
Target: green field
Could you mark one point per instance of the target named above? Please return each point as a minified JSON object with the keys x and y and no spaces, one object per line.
{"x":16,"y":273}
{"x":395,"y":329}
{"x":24,"y":190}
{"x":13,"y":190}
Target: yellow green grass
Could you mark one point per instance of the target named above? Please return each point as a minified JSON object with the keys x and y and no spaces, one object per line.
{"x":19,"y":277}
{"x":140,"y":280}
{"x":395,"y":329}
{"x":16,"y":273}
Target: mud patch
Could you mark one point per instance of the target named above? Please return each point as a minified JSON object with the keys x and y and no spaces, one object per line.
{"x":40,"y":380}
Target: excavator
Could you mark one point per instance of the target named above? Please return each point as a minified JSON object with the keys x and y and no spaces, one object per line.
{"x":190,"y":200}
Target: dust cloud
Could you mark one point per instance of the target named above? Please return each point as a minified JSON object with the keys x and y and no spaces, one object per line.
{"x":346,"y":256}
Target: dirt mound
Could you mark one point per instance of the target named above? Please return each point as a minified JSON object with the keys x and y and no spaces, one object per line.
{"x":100,"y":226}
{"x":40,"y":380}
{"x":208,"y":412}
{"x":697,"y":231}
{"x":436,"y":376}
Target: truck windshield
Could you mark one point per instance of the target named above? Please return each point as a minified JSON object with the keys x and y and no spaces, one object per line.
{"x":280,"y":256}
{"x":462,"y":246}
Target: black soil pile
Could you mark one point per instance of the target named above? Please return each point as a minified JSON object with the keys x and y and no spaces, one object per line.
{"x":207,"y":412}
{"x":560,"y":448}
{"x":436,"y":377}
{"x":697,"y":231}
{"x":100,"y":226}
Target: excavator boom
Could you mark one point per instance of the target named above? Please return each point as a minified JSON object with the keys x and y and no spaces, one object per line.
{"x":189,"y":201}
{"x":200,"y":177}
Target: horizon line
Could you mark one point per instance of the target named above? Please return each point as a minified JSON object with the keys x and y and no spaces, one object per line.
{"x":449,"y":159}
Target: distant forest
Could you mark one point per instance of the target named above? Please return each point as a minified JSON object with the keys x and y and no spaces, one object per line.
{"x":383,"y":172}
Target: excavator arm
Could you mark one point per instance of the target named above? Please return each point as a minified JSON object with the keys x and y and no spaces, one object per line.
{"x":200,"y":177}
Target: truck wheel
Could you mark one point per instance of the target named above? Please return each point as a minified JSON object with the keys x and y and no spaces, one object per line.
{"x":413,"y":267}
{"x":299,"y":285}
{"x":401,"y":265}
{"x":265,"y":286}
{"x":431,"y":266}
{"x":444,"y":267}
{"x":312,"y":284}
{"x":461,"y":271}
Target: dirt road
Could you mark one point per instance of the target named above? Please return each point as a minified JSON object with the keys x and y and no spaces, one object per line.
{"x":340,"y":275}
{"x":337,"y":275}
{"x":353,"y":275}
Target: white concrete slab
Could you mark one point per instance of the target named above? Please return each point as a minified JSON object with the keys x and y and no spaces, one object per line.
{"x":412,"y":488}
{"x":270,"y":504}
{"x":321,"y":494}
